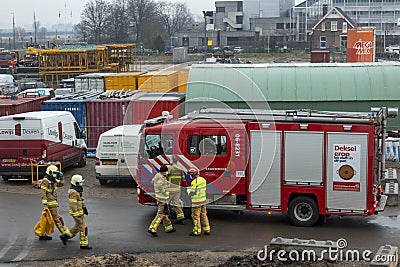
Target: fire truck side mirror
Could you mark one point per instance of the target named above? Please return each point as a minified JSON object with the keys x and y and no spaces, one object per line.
{"x":393,"y":112}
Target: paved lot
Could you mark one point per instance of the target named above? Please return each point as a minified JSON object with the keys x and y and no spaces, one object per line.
{"x":119,"y":226}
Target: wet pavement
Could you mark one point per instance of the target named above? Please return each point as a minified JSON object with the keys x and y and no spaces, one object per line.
{"x":119,"y":226}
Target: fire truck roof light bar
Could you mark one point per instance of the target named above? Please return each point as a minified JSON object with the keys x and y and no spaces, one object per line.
{"x":164,"y":117}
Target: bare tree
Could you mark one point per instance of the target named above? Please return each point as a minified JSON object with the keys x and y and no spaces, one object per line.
{"x":141,"y":12}
{"x":118,"y":22}
{"x":175,"y":17}
{"x":94,"y":18}
{"x":82,"y":30}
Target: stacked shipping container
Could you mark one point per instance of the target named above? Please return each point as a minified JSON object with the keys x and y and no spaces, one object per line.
{"x":103,"y":115}
{"x":10,"y":106}
{"x":75,"y":104}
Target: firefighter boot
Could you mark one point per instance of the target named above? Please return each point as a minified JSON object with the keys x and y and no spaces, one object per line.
{"x":86,"y":247}
{"x":64,"y":238}
{"x":45,"y":237}
{"x":153,"y":234}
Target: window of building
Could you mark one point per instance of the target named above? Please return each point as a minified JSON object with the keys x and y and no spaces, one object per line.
{"x":334,"y":26}
{"x":322,"y":42}
{"x":211,"y":21}
{"x":239,"y":20}
{"x":207,"y":145}
{"x":344,"y":27}
{"x":323,"y":26}
{"x":343,"y":43}
{"x":280,"y":26}
{"x":240,"y":6}
{"x":220,"y":9}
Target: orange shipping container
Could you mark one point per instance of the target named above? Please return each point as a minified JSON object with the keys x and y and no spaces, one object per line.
{"x":183,"y":76}
{"x":159,"y":81}
{"x":361,"y":44}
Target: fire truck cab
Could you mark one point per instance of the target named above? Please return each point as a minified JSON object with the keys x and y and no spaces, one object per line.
{"x":307,"y":164}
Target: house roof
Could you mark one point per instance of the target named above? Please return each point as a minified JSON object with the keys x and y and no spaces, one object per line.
{"x":341,"y":13}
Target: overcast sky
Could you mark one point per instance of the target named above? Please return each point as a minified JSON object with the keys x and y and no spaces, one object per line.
{"x":48,"y":11}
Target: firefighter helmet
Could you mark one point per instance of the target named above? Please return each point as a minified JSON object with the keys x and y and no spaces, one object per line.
{"x":193,"y":171}
{"x":77,"y":179}
{"x":52,"y":169}
{"x":163,"y":168}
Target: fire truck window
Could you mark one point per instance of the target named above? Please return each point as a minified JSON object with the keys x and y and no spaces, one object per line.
{"x":155,"y":144}
{"x":207,"y":145}
{"x":167,"y":143}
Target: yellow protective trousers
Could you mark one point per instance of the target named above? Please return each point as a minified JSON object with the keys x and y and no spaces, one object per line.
{"x":81,"y":228}
{"x":161,"y":217}
{"x":174,"y":200}
{"x":200,"y":220}
{"x":58,"y":221}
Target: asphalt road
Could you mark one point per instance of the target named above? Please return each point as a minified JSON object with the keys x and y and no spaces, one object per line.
{"x":119,"y":226}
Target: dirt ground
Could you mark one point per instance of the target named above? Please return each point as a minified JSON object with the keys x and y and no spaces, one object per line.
{"x":127,"y":190}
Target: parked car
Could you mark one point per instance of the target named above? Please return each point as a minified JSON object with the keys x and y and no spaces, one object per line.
{"x":238,"y":49}
{"x":169,"y":52}
{"x":192,"y":50}
{"x":31,"y":85}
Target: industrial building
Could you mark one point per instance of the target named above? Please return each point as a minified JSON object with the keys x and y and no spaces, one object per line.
{"x":382,"y":14}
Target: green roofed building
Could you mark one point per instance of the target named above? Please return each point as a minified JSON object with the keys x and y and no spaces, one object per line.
{"x":333,"y":87}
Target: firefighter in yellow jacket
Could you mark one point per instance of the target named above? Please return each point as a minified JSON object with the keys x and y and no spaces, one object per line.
{"x":175,"y":177}
{"x":49,"y":185}
{"x":197,"y":192}
{"x":77,"y":209}
{"x":162,"y":194}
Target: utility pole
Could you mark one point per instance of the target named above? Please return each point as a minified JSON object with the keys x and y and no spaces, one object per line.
{"x":13,"y":30}
{"x":206,"y":14}
{"x":35,"y":26}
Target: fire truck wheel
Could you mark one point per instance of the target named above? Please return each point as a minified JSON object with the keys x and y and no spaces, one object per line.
{"x":6,"y":177}
{"x":303,"y":211}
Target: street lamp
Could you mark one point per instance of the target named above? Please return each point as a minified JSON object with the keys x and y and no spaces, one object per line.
{"x":206,"y":14}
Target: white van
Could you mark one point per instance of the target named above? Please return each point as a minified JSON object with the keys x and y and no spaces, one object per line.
{"x":117,"y":153}
{"x":8,"y":86}
{"x":38,"y":92}
{"x":41,"y":136}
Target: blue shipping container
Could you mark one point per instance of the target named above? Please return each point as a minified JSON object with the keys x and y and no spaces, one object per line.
{"x":74,"y":104}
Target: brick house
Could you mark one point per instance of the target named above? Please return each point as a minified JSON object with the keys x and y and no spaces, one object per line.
{"x":330,"y":33}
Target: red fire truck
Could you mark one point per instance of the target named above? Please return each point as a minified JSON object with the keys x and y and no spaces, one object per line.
{"x":8,"y":59}
{"x":307,"y":164}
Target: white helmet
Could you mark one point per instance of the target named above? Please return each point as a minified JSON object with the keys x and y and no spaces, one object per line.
{"x":51,"y":170}
{"x":77,"y":179}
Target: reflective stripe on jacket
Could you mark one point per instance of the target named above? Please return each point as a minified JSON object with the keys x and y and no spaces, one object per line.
{"x":199,"y":188}
{"x":76,"y":203}
{"x":161,"y":187}
{"x":48,"y":191}
{"x":175,"y":177}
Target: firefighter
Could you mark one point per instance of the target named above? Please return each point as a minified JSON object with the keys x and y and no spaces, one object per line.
{"x":175,"y":177}
{"x":162,"y":194}
{"x":197,"y":192}
{"x":77,"y":209}
{"x":49,"y":185}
